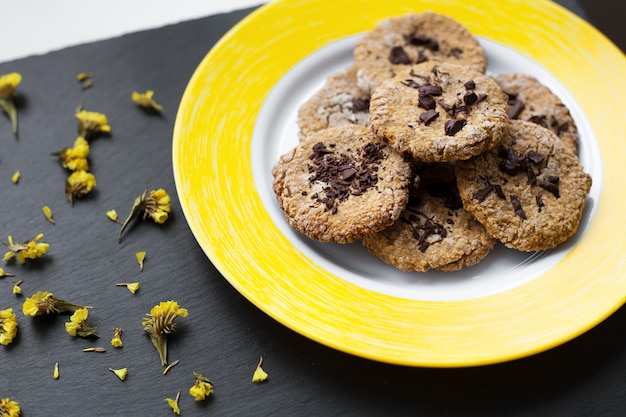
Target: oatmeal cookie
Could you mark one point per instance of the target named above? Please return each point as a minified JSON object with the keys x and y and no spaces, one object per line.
{"x":411,"y":39}
{"x":341,"y":183}
{"x":439,"y":112}
{"x":434,"y":232}
{"x":529,"y":191}
{"x":532,"y":101}
{"x":339,"y":102}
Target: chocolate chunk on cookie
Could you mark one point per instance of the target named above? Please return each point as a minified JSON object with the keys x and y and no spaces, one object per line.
{"x":532,"y":101}
{"x":434,"y":232}
{"x":528,"y":191}
{"x":339,"y":102}
{"x":412,"y":39}
{"x":439,"y":112}
{"x":341,"y":183}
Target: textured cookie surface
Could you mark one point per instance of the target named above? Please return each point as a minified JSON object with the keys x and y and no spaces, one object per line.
{"x":434,"y":232}
{"x":532,"y":101}
{"x":412,"y":39}
{"x":341,"y":184}
{"x":439,"y":112}
{"x":339,"y":102}
{"x":529,"y":191}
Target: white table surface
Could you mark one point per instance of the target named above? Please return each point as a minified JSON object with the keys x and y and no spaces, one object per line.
{"x":32,"y":27}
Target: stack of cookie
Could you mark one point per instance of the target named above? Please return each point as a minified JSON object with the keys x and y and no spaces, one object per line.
{"x":427,"y":160}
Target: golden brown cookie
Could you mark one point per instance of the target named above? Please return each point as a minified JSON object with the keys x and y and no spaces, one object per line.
{"x":532,"y":101}
{"x":339,"y":102}
{"x":439,"y":112}
{"x":434,"y":232}
{"x":341,"y":184}
{"x":529,"y":191}
{"x":411,"y":39}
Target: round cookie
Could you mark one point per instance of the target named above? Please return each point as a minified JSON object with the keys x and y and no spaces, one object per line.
{"x":341,"y":183}
{"x":339,"y":102}
{"x":439,"y":112}
{"x":529,"y":191}
{"x":434,"y":232}
{"x":411,"y":39}
{"x":532,"y":101}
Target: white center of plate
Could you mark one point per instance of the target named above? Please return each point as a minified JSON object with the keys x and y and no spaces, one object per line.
{"x":276,"y":132}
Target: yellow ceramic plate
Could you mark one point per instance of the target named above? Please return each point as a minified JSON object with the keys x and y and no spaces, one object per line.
{"x":238,"y":115}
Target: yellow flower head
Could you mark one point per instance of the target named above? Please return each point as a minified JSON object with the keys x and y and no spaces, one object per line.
{"x":8,"y":326}
{"x":79,"y":184}
{"x":173,"y":403}
{"x":155,"y":204}
{"x":75,"y":158}
{"x":8,"y":84}
{"x":160,"y":323}
{"x":77,"y":326}
{"x":31,"y":249}
{"x":201,"y":388}
{"x":9,"y":408}
{"x":91,"y":123}
{"x":116,"y":341}
{"x":146,"y":101}
{"x":44,"y":302}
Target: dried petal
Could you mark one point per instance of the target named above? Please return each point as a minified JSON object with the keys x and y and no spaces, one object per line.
{"x":121,"y":373}
{"x":140,"y":258}
{"x":55,"y":373}
{"x":16,"y":177}
{"x":259,"y":374}
{"x":173,"y":403}
{"x":48,"y":213}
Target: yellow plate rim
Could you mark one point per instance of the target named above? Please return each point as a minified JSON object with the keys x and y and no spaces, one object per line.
{"x":212,"y":170}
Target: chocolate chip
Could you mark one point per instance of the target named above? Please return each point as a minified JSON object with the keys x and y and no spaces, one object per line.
{"x":482,"y":194}
{"x":531,"y":175}
{"x":360,"y":105}
{"x":398,"y":56}
{"x":539,"y":201}
{"x":452,"y":126}
{"x":426,"y":102}
{"x":470,"y":98}
{"x":429,"y":89}
{"x":517,"y":206}
{"x":456,"y":52}
{"x":425,"y":41}
{"x":410,"y":83}
{"x":348,"y":173}
{"x":539,"y":119}
{"x":481,"y":97}
{"x":534,"y":157}
{"x":421,"y":57}
{"x":551,"y":184}
{"x":499,"y":192}
{"x":428,"y":116}
{"x":515,"y":109}
{"x":470,"y":85}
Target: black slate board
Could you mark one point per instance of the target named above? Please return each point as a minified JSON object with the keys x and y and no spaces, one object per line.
{"x":224,"y":334}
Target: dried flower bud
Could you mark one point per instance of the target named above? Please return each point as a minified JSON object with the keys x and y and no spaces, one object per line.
{"x":155,"y":204}
{"x":147,"y":102}
{"x":79,"y":184}
{"x":8,"y":84}
{"x":160,"y":323}
{"x":116,"y":341}
{"x":75,"y":158}
{"x":92,"y":124}
{"x":77,"y":326}
{"x":202,"y":387}
{"x":43,"y":302}
{"x":31,"y":249}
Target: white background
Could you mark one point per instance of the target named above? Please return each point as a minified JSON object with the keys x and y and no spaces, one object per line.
{"x":30,"y":27}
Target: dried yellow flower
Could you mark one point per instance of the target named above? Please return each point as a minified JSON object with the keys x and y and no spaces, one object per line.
{"x":141,"y":256}
{"x":77,"y":326}
{"x":47,"y":211}
{"x":82,"y":76}
{"x":79,"y":184}
{"x":155,"y":204}
{"x":112,"y":215}
{"x":116,"y":341}
{"x":8,"y":84}
{"x":44,"y":302}
{"x":132,"y":286}
{"x":146,"y":101}
{"x":259,"y":374}
{"x":9,"y":408}
{"x":31,"y":249}
{"x":8,"y":326}
{"x":3,"y":273}
{"x":201,"y":388}
{"x":75,"y":158}
{"x":91,"y":124}
{"x":160,"y":323}
{"x":121,"y":373}
{"x":16,"y":287}
{"x":16,"y":177}
{"x":173,"y":403}
{"x":55,"y":373}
